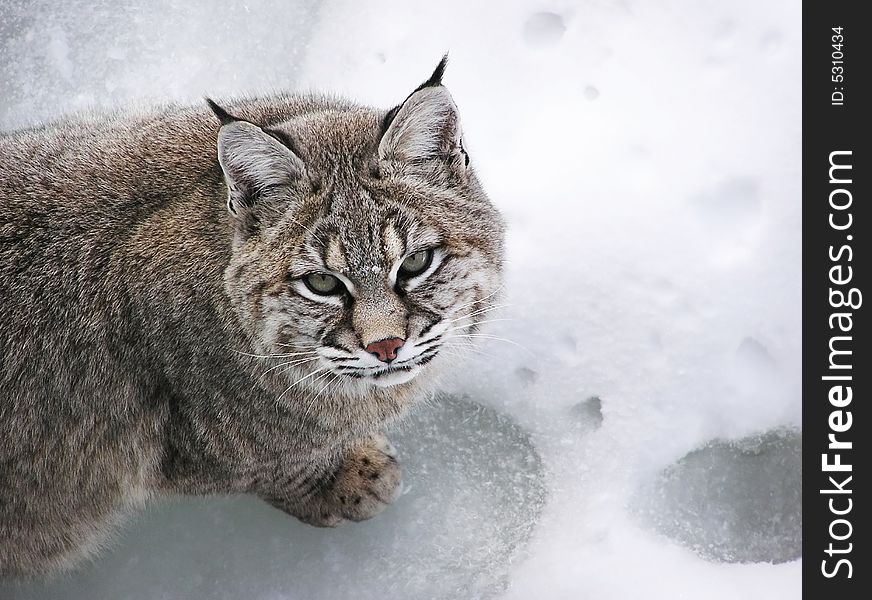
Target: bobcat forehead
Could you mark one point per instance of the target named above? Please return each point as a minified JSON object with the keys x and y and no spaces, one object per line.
{"x":393,"y":244}
{"x":335,"y":259}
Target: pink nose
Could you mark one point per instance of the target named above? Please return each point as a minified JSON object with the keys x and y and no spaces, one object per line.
{"x":386,"y":350}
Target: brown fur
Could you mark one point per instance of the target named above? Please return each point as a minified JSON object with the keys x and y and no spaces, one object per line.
{"x":146,"y":327}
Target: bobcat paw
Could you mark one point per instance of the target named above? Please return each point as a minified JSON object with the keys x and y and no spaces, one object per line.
{"x":368,"y":479}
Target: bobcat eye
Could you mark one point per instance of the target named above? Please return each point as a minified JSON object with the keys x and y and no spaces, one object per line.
{"x":416,"y":263}
{"x":323,"y":284}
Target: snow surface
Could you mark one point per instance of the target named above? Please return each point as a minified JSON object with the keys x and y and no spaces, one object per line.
{"x":643,"y":423}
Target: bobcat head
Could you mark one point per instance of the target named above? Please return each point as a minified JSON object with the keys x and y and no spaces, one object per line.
{"x":364,"y":245}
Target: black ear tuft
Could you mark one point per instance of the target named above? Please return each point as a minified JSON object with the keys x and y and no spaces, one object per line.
{"x":388,"y":119}
{"x":436,"y":78}
{"x":223,"y":116}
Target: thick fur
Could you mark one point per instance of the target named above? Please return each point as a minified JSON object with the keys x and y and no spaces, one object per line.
{"x":153,"y":341}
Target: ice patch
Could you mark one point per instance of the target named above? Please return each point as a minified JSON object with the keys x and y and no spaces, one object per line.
{"x":731,"y":501}
{"x":473,"y":492}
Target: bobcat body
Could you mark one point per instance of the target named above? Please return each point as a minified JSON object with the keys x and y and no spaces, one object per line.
{"x":192,"y":305}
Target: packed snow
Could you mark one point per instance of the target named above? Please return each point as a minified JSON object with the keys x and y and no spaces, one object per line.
{"x":636,"y":431}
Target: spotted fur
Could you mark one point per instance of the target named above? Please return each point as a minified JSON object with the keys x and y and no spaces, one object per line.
{"x":158,"y":334}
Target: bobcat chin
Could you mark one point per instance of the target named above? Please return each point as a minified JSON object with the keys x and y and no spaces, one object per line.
{"x":227,"y":299}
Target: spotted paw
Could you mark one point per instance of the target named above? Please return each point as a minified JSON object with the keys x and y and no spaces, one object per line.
{"x":368,"y":479}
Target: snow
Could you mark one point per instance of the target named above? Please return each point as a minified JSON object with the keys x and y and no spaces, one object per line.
{"x":644,"y":438}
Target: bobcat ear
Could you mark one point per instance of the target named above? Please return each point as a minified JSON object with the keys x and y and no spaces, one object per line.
{"x":425,"y":126}
{"x":252,"y":160}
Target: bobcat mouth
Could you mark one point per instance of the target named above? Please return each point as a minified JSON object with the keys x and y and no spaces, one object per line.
{"x":391,"y":374}
{"x":395,"y":376}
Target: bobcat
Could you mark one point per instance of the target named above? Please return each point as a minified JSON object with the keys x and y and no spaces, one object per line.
{"x":193,"y":305}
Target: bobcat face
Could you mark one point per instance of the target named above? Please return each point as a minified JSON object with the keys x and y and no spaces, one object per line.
{"x":364,"y":245}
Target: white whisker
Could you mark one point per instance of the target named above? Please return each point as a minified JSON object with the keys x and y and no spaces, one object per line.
{"x":284,"y":355}
{"x":493,"y":293}
{"x":488,"y":336}
{"x":302,"y":379}
{"x":291,"y":363}
{"x":299,"y":345}
{"x":467,"y":346}
{"x":476,"y":323}
{"x":329,"y":382}
{"x":312,"y":401}
{"x":479,"y":311}
{"x":314,"y":235}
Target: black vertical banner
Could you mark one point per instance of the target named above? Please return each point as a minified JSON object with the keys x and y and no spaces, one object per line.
{"x":837,"y":374}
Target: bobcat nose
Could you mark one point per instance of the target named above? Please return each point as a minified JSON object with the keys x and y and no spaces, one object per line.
{"x":386,"y":350}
